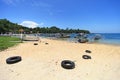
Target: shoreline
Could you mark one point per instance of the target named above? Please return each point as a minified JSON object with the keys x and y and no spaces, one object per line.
{"x":43,"y":61}
{"x":91,"y":42}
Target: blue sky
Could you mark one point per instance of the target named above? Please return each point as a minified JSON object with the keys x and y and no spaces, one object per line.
{"x":94,"y":15}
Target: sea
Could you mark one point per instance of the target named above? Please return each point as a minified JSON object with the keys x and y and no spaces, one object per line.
{"x":106,"y":38}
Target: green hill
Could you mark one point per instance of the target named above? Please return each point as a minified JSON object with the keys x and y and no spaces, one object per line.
{"x":9,"y":27}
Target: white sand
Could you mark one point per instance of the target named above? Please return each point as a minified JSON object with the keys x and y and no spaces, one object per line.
{"x":43,"y":62}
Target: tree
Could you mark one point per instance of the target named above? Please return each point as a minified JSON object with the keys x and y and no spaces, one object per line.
{"x":7,"y":26}
{"x":54,"y":29}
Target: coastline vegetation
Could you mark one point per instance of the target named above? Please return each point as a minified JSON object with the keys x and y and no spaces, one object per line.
{"x":7,"y":41}
{"x":7,"y":27}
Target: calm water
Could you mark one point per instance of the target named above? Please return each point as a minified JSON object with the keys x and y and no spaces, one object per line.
{"x":108,"y":38}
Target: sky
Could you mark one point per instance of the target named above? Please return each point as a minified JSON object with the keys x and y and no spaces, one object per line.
{"x":97,"y":16}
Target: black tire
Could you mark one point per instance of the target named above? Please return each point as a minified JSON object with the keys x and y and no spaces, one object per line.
{"x":87,"y":51}
{"x":14,"y":59}
{"x":35,"y":43}
{"x":46,"y":43}
{"x":86,"y":57}
{"x":67,"y":64}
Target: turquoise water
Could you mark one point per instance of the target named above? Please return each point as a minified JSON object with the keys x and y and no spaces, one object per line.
{"x":107,"y":38}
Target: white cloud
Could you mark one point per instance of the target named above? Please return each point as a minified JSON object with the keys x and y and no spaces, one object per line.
{"x":30,"y":24}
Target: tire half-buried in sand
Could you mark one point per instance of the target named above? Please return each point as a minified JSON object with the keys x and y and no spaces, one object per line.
{"x":67,"y":64}
{"x":14,"y":59}
{"x":86,"y":57}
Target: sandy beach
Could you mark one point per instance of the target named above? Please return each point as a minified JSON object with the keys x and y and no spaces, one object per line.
{"x":43,"y":62}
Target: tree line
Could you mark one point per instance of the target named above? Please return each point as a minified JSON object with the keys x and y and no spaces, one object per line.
{"x":6,"y":27}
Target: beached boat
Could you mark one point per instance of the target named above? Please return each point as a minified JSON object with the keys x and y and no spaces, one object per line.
{"x":82,"y":40}
{"x":30,"y":38}
{"x":63,"y":35}
{"x":97,"y":37}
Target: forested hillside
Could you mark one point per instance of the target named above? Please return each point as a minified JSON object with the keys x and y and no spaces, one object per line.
{"x":9,"y":27}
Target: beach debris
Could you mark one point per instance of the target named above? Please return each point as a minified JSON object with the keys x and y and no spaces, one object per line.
{"x":35,"y":43}
{"x":56,"y":62}
{"x":87,"y":51}
{"x":46,"y":43}
{"x":14,"y":59}
{"x":86,"y":57}
{"x":67,"y":64}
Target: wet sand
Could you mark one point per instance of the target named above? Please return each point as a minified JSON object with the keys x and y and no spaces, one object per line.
{"x":43,"y":61}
